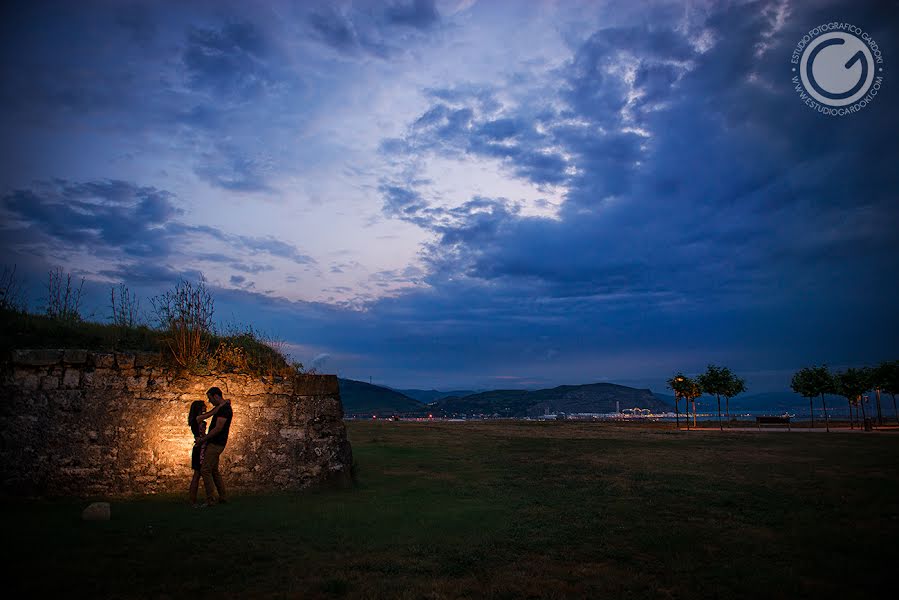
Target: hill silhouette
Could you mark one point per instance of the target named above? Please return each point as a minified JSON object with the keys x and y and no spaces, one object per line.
{"x":364,"y":399}
{"x":587,"y":398}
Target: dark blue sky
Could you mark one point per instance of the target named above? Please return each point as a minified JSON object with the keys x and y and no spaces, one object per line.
{"x":464,"y":193}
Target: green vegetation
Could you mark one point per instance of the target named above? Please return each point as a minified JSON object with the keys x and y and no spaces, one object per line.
{"x":686,"y":388}
{"x":851,"y":384}
{"x":182,"y":329}
{"x":885,"y":378}
{"x":505,"y":510}
{"x":720,"y":381}
{"x":25,"y":330}
{"x":811,"y":382}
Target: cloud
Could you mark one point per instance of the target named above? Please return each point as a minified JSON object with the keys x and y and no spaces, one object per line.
{"x":229,"y":167}
{"x":334,"y":29}
{"x":319,"y":361}
{"x":229,"y":62}
{"x":121,"y":221}
{"x":665,"y":216}
{"x":98,"y":214}
{"x":420,"y":14}
{"x":369,"y":31}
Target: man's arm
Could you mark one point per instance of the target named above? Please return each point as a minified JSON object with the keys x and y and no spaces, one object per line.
{"x":219,"y":425}
{"x":212,"y":411}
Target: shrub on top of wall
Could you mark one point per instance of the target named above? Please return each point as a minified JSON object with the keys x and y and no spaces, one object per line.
{"x":184,"y":334}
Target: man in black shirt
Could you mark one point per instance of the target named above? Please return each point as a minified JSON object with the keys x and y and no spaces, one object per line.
{"x":215,"y":442}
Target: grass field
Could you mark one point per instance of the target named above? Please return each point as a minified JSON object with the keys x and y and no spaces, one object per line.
{"x":506,"y":510}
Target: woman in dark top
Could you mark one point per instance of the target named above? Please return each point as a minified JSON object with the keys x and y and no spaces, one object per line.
{"x":196,"y":420}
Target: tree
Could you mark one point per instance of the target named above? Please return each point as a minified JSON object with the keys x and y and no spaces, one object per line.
{"x":11,"y":295}
{"x":63,"y":297}
{"x":737,"y":386}
{"x":678,"y":384}
{"x":811,"y":382}
{"x":694,"y":391}
{"x":720,"y":381}
{"x":879,"y":380}
{"x":851,"y":384}
{"x":889,"y":373}
{"x":185,"y":313}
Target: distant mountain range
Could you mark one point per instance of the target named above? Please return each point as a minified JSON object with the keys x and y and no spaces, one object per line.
{"x":588,"y":398}
{"x":363,"y":399}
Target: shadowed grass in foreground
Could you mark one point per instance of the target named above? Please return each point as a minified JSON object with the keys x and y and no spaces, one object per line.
{"x":506,"y":510}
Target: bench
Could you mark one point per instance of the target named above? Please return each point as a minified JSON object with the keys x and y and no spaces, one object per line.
{"x":772,"y":420}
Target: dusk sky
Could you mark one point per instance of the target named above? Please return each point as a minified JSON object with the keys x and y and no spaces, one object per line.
{"x":463,"y":193}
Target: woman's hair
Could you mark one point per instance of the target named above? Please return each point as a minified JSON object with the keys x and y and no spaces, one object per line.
{"x":197,"y":407}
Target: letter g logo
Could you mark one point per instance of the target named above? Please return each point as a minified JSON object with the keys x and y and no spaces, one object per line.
{"x":837,"y":69}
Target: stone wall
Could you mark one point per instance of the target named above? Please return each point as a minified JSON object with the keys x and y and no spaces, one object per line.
{"x":79,"y":423}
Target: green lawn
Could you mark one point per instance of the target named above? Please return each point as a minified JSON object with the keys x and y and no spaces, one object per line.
{"x":506,"y":510}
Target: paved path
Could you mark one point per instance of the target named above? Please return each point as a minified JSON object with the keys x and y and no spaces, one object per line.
{"x":886,"y":429}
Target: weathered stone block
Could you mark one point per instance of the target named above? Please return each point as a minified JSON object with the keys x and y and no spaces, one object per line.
{"x":274,"y":414}
{"x":79,"y":471}
{"x":67,"y":400}
{"x":157,"y":384}
{"x":124,"y":361}
{"x":316,"y":385}
{"x":293,"y":433}
{"x":36,"y":358}
{"x":49,"y":382}
{"x":135,"y":383}
{"x":98,"y":511}
{"x":103,"y":378}
{"x":102,"y":361}
{"x":145,"y":359}
{"x":74,"y":357}
{"x":250,"y":387}
{"x":71,"y":378}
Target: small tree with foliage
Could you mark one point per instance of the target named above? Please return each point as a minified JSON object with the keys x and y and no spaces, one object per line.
{"x":888,"y":373}
{"x":851,"y":384}
{"x":678,"y":384}
{"x":720,"y":381}
{"x":737,"y":386}
{"x":811,"y":382}
{"x":685,"y":388}
{"x":880,"y":376}
{"x":693,"y":392}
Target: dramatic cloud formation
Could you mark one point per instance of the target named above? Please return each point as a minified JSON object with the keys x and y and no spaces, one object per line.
{"x":467,"y":194}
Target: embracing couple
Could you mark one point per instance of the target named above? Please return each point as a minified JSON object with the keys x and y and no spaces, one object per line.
{"x":208,"y":447}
